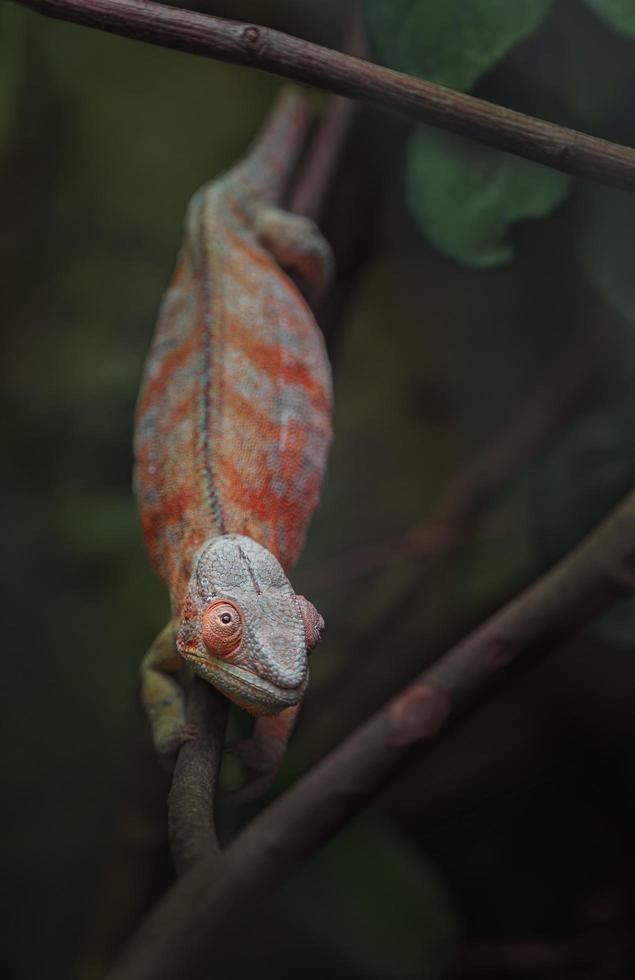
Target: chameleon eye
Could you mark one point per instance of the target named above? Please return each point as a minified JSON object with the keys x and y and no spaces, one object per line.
{"x":222,"y":628}
{"x":313,"y":622}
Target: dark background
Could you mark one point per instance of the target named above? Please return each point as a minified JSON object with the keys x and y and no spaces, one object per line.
{"x":509,"y":851}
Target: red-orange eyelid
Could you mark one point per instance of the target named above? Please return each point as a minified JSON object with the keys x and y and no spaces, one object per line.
{"x":222,"y":628}
{"x":313,"y":622}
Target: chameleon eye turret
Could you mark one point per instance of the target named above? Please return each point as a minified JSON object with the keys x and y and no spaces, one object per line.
{"x":313,"y":622}
{"x":222,"y":628}
{"x":232,"y":432}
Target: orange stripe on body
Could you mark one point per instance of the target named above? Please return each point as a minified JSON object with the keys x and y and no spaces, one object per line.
{"x":156,"y":385}
{"x":277,"y":363}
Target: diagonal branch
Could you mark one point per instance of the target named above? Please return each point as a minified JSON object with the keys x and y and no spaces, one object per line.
{"x":260,"y":47}
{"x":203,"y":908}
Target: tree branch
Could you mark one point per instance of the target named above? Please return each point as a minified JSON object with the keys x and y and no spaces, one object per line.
{"x":269,"y":50}
{"x":193,"y":791}
{"x":203,"y":908}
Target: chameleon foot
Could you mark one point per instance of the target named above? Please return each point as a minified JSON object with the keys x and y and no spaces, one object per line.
{"x":187,"y":733}
{"x":171,"y":742}
{"x":261,"y":768}
{"x":297,"y":245}
{"x":262,"y":754}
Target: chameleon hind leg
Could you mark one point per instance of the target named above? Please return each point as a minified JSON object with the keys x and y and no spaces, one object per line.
{"x":163,"y":697}
{"x":262,"y":754}
{"x":298,"y":246}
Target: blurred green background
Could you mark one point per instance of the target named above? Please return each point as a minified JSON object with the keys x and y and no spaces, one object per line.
{"x":509,"y":851}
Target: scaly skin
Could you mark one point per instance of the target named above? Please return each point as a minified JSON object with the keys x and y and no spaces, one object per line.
{"x":231,"y":441}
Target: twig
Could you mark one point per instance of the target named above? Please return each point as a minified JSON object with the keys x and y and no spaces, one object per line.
{"x":193,"y":791}
{"x":202,"y":908}
{"x":310,"y":189}
{"x":269,"y":50}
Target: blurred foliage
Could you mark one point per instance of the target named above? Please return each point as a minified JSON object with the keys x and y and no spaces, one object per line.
{"x":594,"y":456}
{"x":466,"y":196}
{"x":618,"y":14}
{"x":452,"y":43}
{"x":374,"y":897}
{"x":102,"y":141}
{"x":606,"y":242}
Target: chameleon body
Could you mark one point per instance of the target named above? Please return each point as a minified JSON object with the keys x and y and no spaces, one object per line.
{"x":232,"y":432}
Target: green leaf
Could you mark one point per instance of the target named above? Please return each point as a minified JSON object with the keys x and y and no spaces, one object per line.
{"x":616,"y":14}
{"x":465,"y":196}
{"x":577,"y":484}
{"x":606,"y":245}
{"x":373,"y":897}
{"x":574,"y":486}
{"x":452,"y":42}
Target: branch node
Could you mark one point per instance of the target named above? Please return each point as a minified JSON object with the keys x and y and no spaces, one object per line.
{"x":416,"y":714}
{"x":253,"y":38}
{"x":499,"y":653}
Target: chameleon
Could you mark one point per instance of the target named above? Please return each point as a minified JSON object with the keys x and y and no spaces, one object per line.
{"x":232,"y":433}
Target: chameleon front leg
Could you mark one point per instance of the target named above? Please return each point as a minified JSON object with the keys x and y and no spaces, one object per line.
{"x":263,"y":753}
{"x":162,"y":696}
{"x":298,"y":247}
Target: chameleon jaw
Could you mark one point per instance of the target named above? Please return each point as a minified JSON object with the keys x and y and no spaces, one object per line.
{"x":249,"y":691}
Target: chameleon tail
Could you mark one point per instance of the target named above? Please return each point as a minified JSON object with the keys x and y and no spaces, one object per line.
{"x":273,"y":156}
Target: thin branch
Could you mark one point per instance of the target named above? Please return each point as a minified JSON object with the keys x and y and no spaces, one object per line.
{"x":193,"y":791}
{"x":269,"y":50}
{"x":203,"y":909}
{"x":310,"y":189}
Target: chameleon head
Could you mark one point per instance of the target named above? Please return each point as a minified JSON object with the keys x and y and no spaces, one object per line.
{"x":244,"y":629}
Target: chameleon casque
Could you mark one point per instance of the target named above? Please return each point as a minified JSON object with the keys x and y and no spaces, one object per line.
{"x":232,"y":432}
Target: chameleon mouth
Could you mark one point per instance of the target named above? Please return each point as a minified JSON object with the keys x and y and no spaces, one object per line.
{"x":255,"y":694}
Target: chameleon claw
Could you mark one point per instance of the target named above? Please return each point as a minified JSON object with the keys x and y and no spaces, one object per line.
{"x":188,"y":733}
{"x":261,"y":769}
{"x":168,"y":746}
{"x":252,"y":789}
{"x":252,"y":755}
